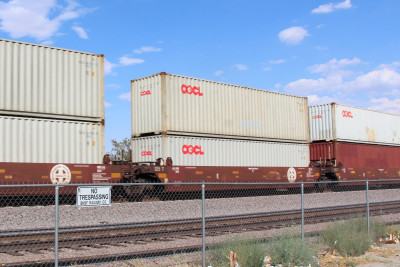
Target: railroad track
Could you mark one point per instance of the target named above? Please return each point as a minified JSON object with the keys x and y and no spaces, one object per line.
{"x":19,"y":242}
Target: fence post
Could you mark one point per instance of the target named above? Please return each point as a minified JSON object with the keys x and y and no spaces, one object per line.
{"x":302,"y":211}
{"x":203,"y":215}
{"x":56,"y":228}
{"x":367,"y":196}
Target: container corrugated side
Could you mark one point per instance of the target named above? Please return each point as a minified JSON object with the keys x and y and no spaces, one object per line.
{"x":44,"y":81}
{"x":356,"y":155}
{"x":50,"y":141}
{"x":201,"y":151}
{"x":352,"y":124}
{"x":183,"y":105}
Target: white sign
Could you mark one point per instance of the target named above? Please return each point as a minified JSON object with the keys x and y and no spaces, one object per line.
{"x":93,"y":196}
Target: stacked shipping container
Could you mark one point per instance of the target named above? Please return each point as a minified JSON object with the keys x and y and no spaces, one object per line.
{"x":54,"y":100}
{"x":355,"y":137}
{"x":182,"y":117}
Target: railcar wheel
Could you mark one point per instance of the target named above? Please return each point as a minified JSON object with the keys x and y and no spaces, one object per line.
{"x":139,"y":192}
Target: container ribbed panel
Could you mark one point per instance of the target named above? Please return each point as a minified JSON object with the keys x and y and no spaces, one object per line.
{"x":50,"y":141}
{"x":199,"y":151}
{"x":42,"y":81}
{"x":199,"y":107}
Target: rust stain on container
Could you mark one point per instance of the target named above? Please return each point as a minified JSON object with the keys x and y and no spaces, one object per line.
{"x":371,"y":135}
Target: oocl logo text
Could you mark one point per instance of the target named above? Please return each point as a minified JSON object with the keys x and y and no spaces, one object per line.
{"x":317,"y":117}
{"x":347,"y":114}
{"x":146,"y":153}
{"x":191,"y":90}
{"x":143,"y":93}
{"x":192,"y":150}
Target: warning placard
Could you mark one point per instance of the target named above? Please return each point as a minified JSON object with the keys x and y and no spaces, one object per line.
{"x":93,"y":196}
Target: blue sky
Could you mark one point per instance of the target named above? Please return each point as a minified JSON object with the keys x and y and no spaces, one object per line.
{"x":345,"y":51}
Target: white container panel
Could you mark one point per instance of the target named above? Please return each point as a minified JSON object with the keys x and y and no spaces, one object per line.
{"x":321,"y":122}
{"x":177,"y":104}
{"x":33,"y":140}
{"x":201,"y":151}
{"x":50,"y":82}
{"x":352,"y":124}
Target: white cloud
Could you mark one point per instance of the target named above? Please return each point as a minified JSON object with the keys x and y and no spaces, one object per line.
{"x":106,"y":104}
{"x":126,"y":96}
{"x":146,"y":49}
{"x":316,"y":100}
{"x":386,"y":105}
{"x":48,"y":42}
{"x":336,"y":82}
{"x":126,"y":61}
{"x":318,"y":47}
{"x":335,"y":67}
{"x":218,"y":73}
{"x":36,"y":19}
{"x":113,"y":86}
{"x":81,"y":32}
{"x":241,"y":67}
{"x":277,"y":86}
{"x":108,"y":66}
{"x":307,"y":86}
{"x":266,"y":68}
{"x":277,"y":61}
{"x":377,"y":80}
{"x":293,"y":35}
{"x":328,"y":8}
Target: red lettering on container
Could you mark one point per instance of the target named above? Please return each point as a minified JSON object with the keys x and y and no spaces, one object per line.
{"x":191,"y":90}
{"x":347,"y":114}
{"x":143,"y":93}
{"x":146,"y":153}
{"x":317,"y":117}
{"x":189,"y":149}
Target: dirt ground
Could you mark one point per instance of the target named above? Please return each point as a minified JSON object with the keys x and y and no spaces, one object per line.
{"x":378,"y":256}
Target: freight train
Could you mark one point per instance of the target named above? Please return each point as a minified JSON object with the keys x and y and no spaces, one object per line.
{"x":183,"y":130}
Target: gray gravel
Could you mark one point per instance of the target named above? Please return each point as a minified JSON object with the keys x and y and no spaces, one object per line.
{"x":27,"y":217}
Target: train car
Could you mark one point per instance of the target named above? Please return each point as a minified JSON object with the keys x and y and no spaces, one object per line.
{"x":183,"y":130}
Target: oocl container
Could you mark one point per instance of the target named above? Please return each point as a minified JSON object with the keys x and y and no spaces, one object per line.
{"x":50,"y":141}
{"x":172,"y":104}
{"x":356,"y":155}
{"x":202,"y":151}
{"x":43,"y":81}
{"x":345,"y":123}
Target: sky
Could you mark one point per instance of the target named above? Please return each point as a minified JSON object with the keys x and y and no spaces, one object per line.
{"x":345,"y":51}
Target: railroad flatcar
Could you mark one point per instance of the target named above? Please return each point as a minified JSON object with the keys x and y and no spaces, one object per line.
{"x":183,"y":130}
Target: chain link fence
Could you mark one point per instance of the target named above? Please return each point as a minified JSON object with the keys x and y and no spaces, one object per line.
{"x":172,"y":224}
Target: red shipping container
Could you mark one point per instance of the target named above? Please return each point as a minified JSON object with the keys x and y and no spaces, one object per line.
{"x":354,"y":155}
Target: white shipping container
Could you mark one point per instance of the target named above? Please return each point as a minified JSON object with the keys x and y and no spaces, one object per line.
{"x":50,"y":141}
{"x":181,"y":105}
{"x":345,"y":123}
{"x":44,"y":81}
{"x":202,"y":151}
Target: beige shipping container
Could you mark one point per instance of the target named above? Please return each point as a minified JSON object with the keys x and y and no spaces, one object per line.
{"x":34,"y":140}
{"x":351,"y":124}
{"x":43,"y":81}
{"x":202,"y":151}
{"x":167,"y":103}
